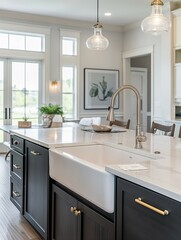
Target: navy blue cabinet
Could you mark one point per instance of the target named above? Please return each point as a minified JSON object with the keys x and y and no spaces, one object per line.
{"x":143,"y":214}
{"x":74,"y":220}
{"x":36,"y":192}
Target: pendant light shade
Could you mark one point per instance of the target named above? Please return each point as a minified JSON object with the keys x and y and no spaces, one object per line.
{"x":97,"y":41}
{"x":156,"y":23}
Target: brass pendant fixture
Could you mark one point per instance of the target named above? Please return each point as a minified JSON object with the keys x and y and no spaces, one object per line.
{"x":97,"y":41}
{"x":156,"y":23}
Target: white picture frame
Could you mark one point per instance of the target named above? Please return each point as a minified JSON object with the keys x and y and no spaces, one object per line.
{"x":99,"y":86}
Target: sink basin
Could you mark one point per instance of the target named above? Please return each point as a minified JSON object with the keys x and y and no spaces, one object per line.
{"x":82,"y":169}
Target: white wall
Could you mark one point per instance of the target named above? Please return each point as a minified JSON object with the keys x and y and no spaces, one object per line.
{"x":54,"y":95}
{"x":108,"y":59}
{"x":162,"y":74}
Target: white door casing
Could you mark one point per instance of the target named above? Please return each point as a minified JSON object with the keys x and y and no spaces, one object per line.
{"x":127,"y":55}
{"x":138,"y":79}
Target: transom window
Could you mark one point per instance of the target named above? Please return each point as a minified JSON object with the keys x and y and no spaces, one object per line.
{"x":22,"y":41}
{"x":69,"y":46}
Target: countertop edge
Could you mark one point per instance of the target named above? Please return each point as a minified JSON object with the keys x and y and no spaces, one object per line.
{"x":125,"y":175}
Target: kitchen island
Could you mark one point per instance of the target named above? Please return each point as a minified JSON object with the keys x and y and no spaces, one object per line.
{"x":161,"y":174}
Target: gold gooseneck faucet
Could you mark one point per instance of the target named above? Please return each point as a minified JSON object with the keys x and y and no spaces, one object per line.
{"x":139,"y":138}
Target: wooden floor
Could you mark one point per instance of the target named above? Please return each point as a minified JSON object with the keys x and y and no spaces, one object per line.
{"x":12,"y":225}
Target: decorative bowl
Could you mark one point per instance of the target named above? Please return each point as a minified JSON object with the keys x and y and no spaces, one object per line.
{"x":101,"y":128}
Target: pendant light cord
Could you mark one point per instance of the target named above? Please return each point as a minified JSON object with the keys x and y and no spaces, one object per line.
{"x":97,"y":10}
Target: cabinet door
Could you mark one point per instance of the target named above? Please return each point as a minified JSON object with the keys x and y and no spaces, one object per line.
{"x":138,"y":222}
{"x":36,"y":187}
{"x":177,"y":29}
{"x":93,"y":225}
{"x":64,"y":221}
{"x":177,"y":71}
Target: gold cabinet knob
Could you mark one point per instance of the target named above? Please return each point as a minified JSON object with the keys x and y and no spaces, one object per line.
{"x":35,"y":153}
{"x":75,"y":211}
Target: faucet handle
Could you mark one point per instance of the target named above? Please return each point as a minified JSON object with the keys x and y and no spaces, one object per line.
{"x":141,"y":137}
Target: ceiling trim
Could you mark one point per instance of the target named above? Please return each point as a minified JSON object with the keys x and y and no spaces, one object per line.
{"x":48,"y":20}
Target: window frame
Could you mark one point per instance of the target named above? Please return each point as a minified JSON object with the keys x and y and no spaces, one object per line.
{"x":74,"y":40}
{"x":71,"y":60}
{"x":73,"y":93}
{"x":43,"y":57}
{"x":40,"y":83}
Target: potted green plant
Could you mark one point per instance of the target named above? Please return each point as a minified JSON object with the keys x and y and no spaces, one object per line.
{"x":24,"y":123}
{"x":48,"y":113}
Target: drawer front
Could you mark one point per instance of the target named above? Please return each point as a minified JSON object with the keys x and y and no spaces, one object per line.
{"x":16,"y":194}
{"x":144,"y":214}
{"x":16,"y":164}
{"x":17,"y":144}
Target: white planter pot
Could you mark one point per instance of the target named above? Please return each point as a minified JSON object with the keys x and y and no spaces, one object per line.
{"x":57,"y":121}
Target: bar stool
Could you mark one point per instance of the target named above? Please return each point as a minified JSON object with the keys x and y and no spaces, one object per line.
{"x":165,"y":129}
{"x":179,"y":133}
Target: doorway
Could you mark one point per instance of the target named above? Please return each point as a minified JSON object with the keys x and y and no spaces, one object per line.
{"x":138,"y":79}
{"x":19,"y":91}
{"x":140,"y":58}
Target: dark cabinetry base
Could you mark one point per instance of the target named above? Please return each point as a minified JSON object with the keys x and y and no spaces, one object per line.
{"x":139,"y":221}
{"x":71,"y":219}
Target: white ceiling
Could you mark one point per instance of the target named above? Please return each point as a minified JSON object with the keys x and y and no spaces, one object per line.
{"x":123,"y":11}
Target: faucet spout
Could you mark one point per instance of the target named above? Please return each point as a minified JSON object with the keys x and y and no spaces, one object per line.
{"x":139,"y":137}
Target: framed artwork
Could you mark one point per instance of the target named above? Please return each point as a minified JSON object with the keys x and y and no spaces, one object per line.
{"x":99,"y":86}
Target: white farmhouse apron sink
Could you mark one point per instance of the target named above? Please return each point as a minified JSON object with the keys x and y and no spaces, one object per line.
{"x":82,"y":169}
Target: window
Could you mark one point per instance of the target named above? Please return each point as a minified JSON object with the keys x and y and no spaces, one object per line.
{"x":22,"y":41}
{"x":68,"y":81}
{"x":69,"y":59}
{"x":25,"y":91}
{"x":3,"y":40}
{"x":22,"y":72}
{"x":69,"y":46}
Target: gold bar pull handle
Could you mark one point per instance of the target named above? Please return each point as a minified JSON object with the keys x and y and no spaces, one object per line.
{"x":16,"y":194}
{"x":35,"y":153}
{"x":161,"y":212}
{"x":16,"y":166}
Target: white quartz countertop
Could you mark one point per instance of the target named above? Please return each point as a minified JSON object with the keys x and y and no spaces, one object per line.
{"x":162,"y":174}
{"x":67,"y":135}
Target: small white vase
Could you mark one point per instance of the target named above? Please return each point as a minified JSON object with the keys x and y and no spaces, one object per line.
{"x":57,"y":121}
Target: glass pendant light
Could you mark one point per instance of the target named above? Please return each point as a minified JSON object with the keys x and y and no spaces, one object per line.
{"x":156,"y":23}
{"x":97,"y":41}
